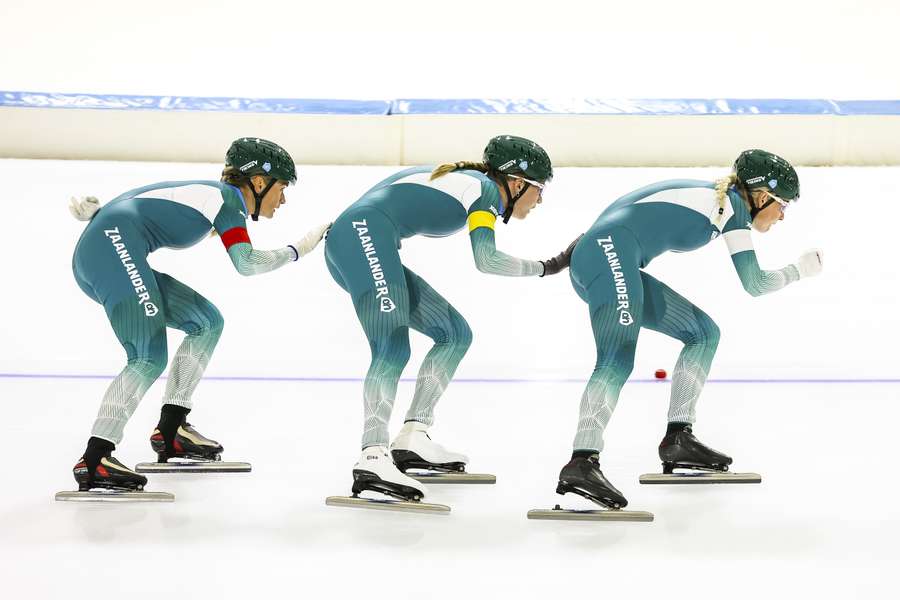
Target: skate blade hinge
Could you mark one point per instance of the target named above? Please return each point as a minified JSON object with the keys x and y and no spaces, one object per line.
{"x":380,"y":504}
{"x":114,"y":496}
{"x":199,"y":466}
{"x":704,"y":477}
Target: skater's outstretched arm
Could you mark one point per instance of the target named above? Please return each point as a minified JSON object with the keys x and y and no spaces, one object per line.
{"x":482,"y":217}
{"x":757,"y":281}
{"x":231,"y":225}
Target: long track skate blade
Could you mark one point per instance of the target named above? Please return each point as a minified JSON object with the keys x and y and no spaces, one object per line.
{"x":703,"y":477}
{"x":563,"y":514}
{"x":114,"y":496}
{"x":453,"y":477}
{"x":395,"y":505}
{"x":198,"y":466}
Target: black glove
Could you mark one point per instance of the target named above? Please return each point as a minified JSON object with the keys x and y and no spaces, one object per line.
{"x":561,"y":260}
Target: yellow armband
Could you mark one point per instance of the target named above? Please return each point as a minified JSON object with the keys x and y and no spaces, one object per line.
{"x":481,"y":218}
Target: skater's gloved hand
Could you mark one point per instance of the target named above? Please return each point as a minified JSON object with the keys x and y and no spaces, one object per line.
{"x":310,"y":240}
{"x":83,"y":208}
{"x":809,"y":263}
{"x":560,"y":261}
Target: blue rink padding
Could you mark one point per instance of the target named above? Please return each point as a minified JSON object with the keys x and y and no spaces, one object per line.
{"x":193,"y":103}
{"x":690,"y":106}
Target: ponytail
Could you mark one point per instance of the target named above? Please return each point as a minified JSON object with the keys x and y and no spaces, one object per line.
{"x":445,"y":168}
{"x":722,"y":186}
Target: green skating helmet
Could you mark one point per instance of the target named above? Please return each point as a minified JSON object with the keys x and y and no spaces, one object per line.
{"x":256,"y":156}
{"x":512,"y":155}
{"x":761,"y":169}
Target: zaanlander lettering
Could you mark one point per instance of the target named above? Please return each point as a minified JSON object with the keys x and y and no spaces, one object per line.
{"x":382,"y":294}
{"x":623,"y":304}
{"x":137,"y":281}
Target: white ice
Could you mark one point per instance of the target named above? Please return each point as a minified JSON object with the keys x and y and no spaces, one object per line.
{"x":823,"y":523}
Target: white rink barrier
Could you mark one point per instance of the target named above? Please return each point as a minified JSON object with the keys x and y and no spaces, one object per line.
{"x":586,"y":133}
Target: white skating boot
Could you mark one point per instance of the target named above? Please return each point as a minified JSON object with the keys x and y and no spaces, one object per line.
{"x":376,"y":471}
{"x":413,"y":449}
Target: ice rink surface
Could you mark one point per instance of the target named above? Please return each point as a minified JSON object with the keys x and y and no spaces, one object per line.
{"x":804,"y":390}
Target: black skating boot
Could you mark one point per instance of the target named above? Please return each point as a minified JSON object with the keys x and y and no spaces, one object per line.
{"x":174,"y":437}
{"x":98,"y":469}
{"x":680,"y":449}
{"x":582,"y":476}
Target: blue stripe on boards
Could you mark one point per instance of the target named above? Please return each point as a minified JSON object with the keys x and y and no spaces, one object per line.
{"x":586,"y":106}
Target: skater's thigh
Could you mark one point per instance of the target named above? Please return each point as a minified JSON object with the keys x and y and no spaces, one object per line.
{"x":126,"y":286}
{"x":362,"y":250}
{"x":671,"y":314}
{"x":608,"y":269}
{"x":431,"y":314}
{"x":186,"y":309}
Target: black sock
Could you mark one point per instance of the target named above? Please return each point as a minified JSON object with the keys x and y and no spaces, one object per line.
{"x":676,"y":426}
{"x":96,"y":449}
{"x":586,"y":454}
{"x":171,"y":417}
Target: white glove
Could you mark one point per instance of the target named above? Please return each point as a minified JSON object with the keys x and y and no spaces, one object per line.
{"x":83,"y":208}
{"x":809,"y":263}
{"x":310,"y":240}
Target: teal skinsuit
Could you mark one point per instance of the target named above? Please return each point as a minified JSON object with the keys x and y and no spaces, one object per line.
{"x":362,"y":255}
{"x":678,"y":216}
{"x":110,"y":265}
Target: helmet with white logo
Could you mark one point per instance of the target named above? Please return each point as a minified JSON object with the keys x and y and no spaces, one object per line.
{"x":761,"y":169}
{"x":512,"y":155}
{"x":517,"y":157}
{"x":256,"y":156}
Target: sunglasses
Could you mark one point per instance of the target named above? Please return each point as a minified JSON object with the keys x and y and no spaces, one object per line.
{"x":536,"y":184}
{"x":781,"y":201}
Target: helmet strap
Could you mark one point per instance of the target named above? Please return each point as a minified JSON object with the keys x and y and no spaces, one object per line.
{"x":755,"y":211}
{"x":259,"y":197}
{"x":510,"y":199}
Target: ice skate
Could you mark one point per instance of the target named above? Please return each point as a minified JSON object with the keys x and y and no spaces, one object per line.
{"x":582,"y":476}
{"x":376,"y":472}
{"x":110,"y":481}
{"x":680,"y":449}
{"x":189,"y":452}
{"x":418,"y":456}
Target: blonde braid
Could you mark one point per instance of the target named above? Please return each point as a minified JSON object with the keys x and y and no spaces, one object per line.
{"x":445,"y":168}
{"x":722,"y":186}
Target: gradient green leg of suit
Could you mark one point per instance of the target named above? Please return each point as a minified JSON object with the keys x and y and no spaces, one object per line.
{"x":193,"y":314}
{"x":361,"y":254}
{"x":600,"y":276}
{"x":361,"y":247}
{"x":433,"y":316}
{"x":142,"y":336}
{"x":669,"y":313}
{"x":622,"y":299}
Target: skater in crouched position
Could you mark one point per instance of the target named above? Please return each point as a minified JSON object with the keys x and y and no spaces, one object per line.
{"x":606,"y":272}
{"x":362,"y":255}
{"x":110,"y":265}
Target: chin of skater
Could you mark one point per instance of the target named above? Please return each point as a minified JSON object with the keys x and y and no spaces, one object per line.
{"x":362,"y":254}
{"x":607,"y":273}
{"x":111,"y":266}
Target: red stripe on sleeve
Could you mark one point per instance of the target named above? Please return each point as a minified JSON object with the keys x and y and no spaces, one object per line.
{"x":235,"y":235}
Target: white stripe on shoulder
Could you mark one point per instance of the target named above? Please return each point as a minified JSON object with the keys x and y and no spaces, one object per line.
{"x":702,"y":200}
{"x":205,"y":199}
{"x":738,"y":240}
{"x":464,"y":188}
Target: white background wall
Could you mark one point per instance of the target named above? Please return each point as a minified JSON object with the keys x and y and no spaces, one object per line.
{"x":465,"y":48}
